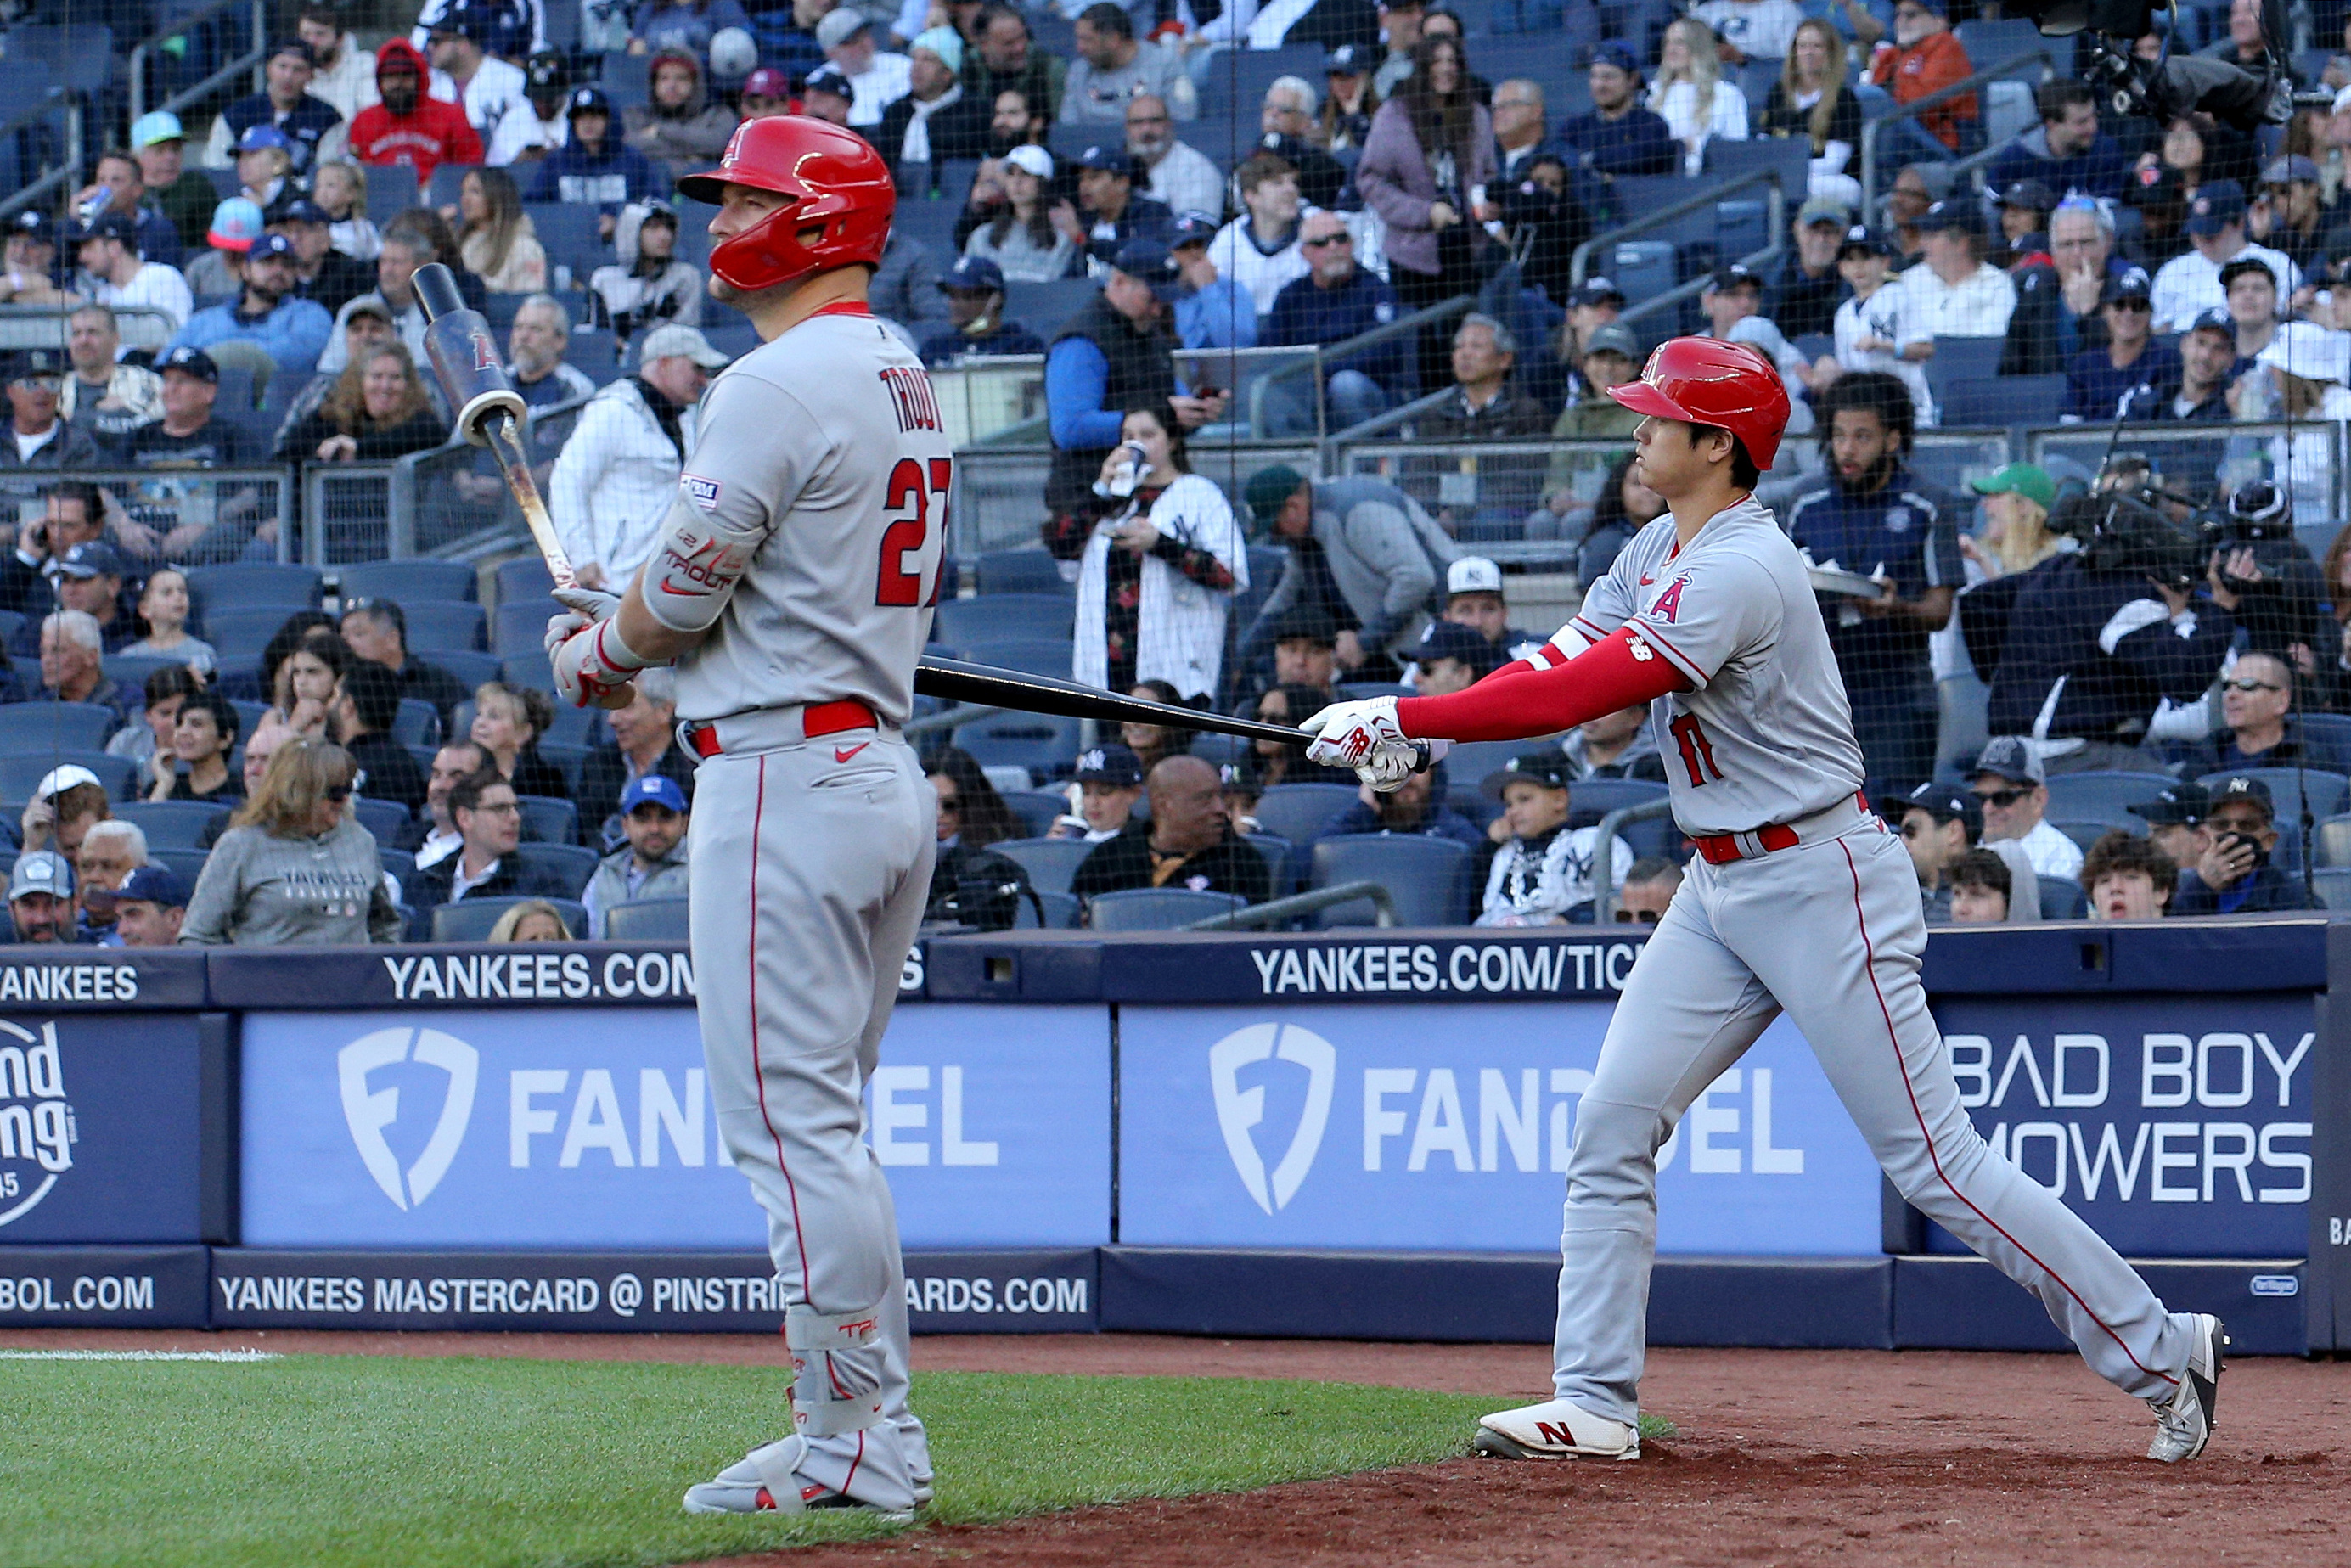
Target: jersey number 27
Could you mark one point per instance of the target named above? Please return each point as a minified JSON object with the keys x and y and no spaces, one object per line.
{"x":909,"y":502}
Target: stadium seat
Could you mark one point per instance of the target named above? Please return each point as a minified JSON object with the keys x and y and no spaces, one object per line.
{"x":2061,"y":899}
{"x":470,"y":920}
{"x":435,"y":625}
{"x":398,"y":864}
{"x":1158,"y":908}
{"x":253,"y":585}
{"x":1029,"y":655}
{"x":1601,"y":796}
{"x":2334,"y":841}
{"x":20,"y":771}
{"x":994,"y":618}
{"x":1047,"y":911}
{"x":240,"y":635}
{"x":473,"y":669}
{"x":1036,"y":807}
{"x":648,"y":920}
{"x":1022,"y":571}
{"x":384,"y":820}
{"x":1423,"y":875}
{"x":2104,"y":796}
{"x":133,"y":669}
{"x":1041,"y":744}
{"x":2326,"y":791}
{"x":403,"y":580}
{"x":568,"y":759}
{"x":30,"y":729}
{"x":1050,"y":863}
{"x":1277,"y":852}
{"x":188,"y":864}
{"x":522,"y":631}
{"x":1299,"y":812}
{"x":574,"y":863}
{"x":1998,"y":400}
{"x":2086,"y":833}
{"x":171,"y":824}
{"x":548,"y":821}
{"x":524,"y":577}
{"x":2334,"y":884}
{"x":418,"y":722}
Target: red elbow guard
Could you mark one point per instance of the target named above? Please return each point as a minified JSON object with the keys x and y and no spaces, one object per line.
{"x":1617,"y":672}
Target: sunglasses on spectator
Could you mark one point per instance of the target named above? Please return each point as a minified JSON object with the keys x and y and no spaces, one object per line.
{"x":1627,"y":916}
{"x":1326,"y":239}
{"x":2003,"y":798}
{"x":2132,"y":305}
{"x":2250,"y":686}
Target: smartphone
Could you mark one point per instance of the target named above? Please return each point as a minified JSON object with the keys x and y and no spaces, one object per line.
{"x":2231,"y":841}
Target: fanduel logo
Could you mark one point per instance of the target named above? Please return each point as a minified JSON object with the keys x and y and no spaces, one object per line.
{"x":369,"y":1113}
{"x":1238,"y":1110}
{"x":36,"y":1123}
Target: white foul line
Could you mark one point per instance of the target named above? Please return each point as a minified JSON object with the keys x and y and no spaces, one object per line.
{"x":138,"y":1356}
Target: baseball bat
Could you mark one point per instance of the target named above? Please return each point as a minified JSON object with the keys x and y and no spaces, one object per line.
{"x":490,"y":412}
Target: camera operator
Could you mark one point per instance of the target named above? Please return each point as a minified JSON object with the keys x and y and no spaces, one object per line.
{"x":2236,"y":875}
{"x":2084,"y":650}
{"x":2263,"y":577}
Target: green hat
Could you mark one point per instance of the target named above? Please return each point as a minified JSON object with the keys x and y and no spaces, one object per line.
{"x":1268,"y":488}
{"x":2025,"y":479}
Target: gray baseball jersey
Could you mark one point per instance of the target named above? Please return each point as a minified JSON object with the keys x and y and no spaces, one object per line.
{"x":1766,"y":735}
{"x":814,"y":506}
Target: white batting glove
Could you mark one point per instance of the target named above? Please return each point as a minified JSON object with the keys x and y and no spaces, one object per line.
{"x":583,"y":608}
{"x":1346,"y":734}
{"x":593,"y":667}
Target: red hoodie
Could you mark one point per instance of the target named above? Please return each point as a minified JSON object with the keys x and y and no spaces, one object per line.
{"x":436,"y":132}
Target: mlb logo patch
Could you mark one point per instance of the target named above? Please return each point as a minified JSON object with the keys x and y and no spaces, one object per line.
{"x":701,"y":492}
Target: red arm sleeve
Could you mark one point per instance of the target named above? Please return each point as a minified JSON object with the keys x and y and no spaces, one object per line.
{"x":1617,"y":672}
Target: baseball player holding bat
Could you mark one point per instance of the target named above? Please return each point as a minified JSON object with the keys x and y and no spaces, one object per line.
{"x":791,"y":588}
{"x":1800,"y":901}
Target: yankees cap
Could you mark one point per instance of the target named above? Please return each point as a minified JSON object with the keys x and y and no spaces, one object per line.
{"x":1548,"y":768}
{"x":1114,"y":765}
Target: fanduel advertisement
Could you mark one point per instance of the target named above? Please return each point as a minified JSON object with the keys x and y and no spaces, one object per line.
{"x":1439,"y":1128}
{"x":2177,"y":1126}
{"x":560,"y":1128}
{"x":101,"y":1128}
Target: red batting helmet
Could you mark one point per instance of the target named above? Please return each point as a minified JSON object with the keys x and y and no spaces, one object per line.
{"x":841,"y":199}
{"x":1706,"y":381}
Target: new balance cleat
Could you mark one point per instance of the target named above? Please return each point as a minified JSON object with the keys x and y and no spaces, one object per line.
{"x":2185,"y":1418}
{"x":1556,"y":1430}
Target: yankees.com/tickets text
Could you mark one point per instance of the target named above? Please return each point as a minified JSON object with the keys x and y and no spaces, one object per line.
{"x":540,"y":976}
{"x":1545,"y":968}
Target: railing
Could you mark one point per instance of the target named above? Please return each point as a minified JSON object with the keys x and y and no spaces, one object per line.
{"x":1603,"y":897}
{"x":1936,"y":99}
{"x":250,"y":61}
{"x":1406,"y":326}
{"x":999,"y":491}
{"x":217,"y":513}
{"x":1485,"y":494}
{"x":61,"y":179}
{"x":1580,"y":263}
{"x":354,"y":512}
{"x":2221,"y":455}
{"x":1259,"y":915}
{"x":44,"y":325}
{"x":949,"y":719}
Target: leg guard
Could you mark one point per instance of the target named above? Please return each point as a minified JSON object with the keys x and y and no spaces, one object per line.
{"x":837,"y":1367}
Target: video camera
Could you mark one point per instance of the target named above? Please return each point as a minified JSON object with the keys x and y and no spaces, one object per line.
{"x":2128,"y":530}
{"x":2165,"y":88}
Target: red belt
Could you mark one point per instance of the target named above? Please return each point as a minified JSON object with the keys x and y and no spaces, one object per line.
{"x":1722,"y":849}
{"x":816,"y":719}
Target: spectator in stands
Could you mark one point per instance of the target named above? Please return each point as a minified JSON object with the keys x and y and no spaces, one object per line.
{"x":1418,"y":809}
{"x":194,"y":764}
{"x":167,"y":688}
{"x":528,"y":137}
{"x":1814,"y":100}
{"x":489,"y":828}
{"x":1187,"y":842}
{"x":1474,"y":597}
{"x":1009,"y":62}
{"x":366,"y":706}
{"x":1956,"y":293}
{"x":648,"y":285}
{"x":1802,"y":296}
{"x":1286,"y":125}
{"x":1434,"y":128}
{"x":508,"y":723}
{"x":644,"y":743}
{"x":1487,"y":405}
{"x":1013,"y":123}
{"x":394,"y":297}
{"x":1938,"y":825}
{"x":1543,"y":872}
{"x":264,"y":156}
{"x":487,"y":88}
{"x":2016,"y":535}
{"x":190,"y":435}
{"x":936,"y":121}
{"x":1905,"y":204}
{"x":2252,"y":293}
{"x":2023,"y":206}
{"x":972,"y":884}
{"x":617,"y":475}
{"x":1211,"y":311}
{"x":2059,"y":312}
{"x":516,"y":26}
{"x":113,"y":274}
{"x":184,"y":194}
{"x":1360,"y":553}
{"x":1925,"y":57}
{"x":594,"y":167}
{"x":2175,"y":822}
{"x":2134,"y":366}
{"x":975,"y":326}
{"x":1108,"y":215}
{"x":406,"y":127}
{"x":340,"y":190}
{"x":2066,"y":151}
{"x":28,"y":275}
{"x":786,"y":35}
{"x":1400,"y":28}
{"x":2208,"y":367}
{"x":301,"y":679}
{"x":376,"y":630}
{"x":2235,"y":875}
{"x":342,"y":74}
{"x":1648,"y":890}
{"x":2012,"y":788}
{"x":1620,"y":745}
{"x":124,"y":189}
{"x":40,"y":899}
{"x":1449,"y":658}
{"x":1116,"y":353}
{"x":876,"y":77}
{"x":2243,"y":47}
{"x":1873,"y":326}
{"x":1113,"y":66}
{"x":378,"y":411}
{"x":1521,"y":128}
{"x":1876,"y":515}
{"x":654,"y":816}
{"x":1687,"y":92}
{"x":1350,"y":100}
{"x":1336,"y":300}
{"x":1732,"y":300}
{"x":2290,"y":213}
{"x":1623,"y":508}
{"x":535,"y":345}
{"x":433,"y":835}
{"x":66,"y":802}
{"x":163,"y":615}
{"x":73,"y":511}
{"x":531,"y":920}
{"x":294,"y":331}
{"x":496,"y":240}
{"x":2300,"y":376}
{"x":295,"y":868}
{"x":2259,"y":726}
{"x":310,"y":124}
{"x":150,"y":908}
{"x":1177,"y":176}
{"x":1543,"y":223}
{"x":1023,"y":239}
{"x":683,"y":24}
{"x":260,"y":747}
{"x":680,"y":130}
{"x":1109,"y":781}
{"x":110,"y":853}
{"x":322,"y":275}
{"x":1752,"y":30}
{"x":2190,"y":284}
{"x":1980,"y":883}
{"x":1259,"y":250}
{"x":1305,"y":657}
{"x":105,"y":397}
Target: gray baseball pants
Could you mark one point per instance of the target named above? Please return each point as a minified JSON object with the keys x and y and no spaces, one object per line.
{"x":1830,"y":931}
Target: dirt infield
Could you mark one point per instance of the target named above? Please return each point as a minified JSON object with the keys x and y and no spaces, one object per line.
{"x":1783,"y":1457}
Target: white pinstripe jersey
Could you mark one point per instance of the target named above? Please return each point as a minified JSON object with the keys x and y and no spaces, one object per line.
{"x":1766,"y":735}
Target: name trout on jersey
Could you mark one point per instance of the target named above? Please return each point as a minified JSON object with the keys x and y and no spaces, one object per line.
{"x":911,"y":396}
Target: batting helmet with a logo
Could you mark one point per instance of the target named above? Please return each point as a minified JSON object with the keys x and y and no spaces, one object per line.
{"x":1708,"y":380}
{"x":838,"y":207}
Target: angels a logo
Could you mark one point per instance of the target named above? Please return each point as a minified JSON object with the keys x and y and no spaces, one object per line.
{"x":1669,"y":603}
{"x":1239,"y":1109}
{"x":371,"y":1114}
{"x":36,"y":1121}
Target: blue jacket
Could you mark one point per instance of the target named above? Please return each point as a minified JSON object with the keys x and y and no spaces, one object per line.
{"x":944,"y":345}
{"x":2100,"y":171}
{"x":2266,"y":888}
{"x":1221,"y":315}
{"x":295,"y":333}
{"x":614,"y":173}
{"x":1305,"y":315}
{"x":311,"y":120}
{"x":1909,"y":530}
{"x":2095,"y":390}
{"x":1639,"y":143}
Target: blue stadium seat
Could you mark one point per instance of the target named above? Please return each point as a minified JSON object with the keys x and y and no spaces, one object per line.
{"x":133,"y":669}
{"x":1278,"y":853}
{"x":569,"y":236}
{"x":1022,"y":571}
{"x":2063,"y":900}
{"x":1043,"y":745}
{"x":1048,"y":911}
{"x":238,"y":636}
{"x":521,"y":631}
{"x":1029,"y":656}
{"x":472,"y":669}
{"x":548,"y":820}
{"x":648,"y":920}
{"x":390,"y":190}
{"x":189,"y":864}
{"x":1423,"y":875}
{"x":1645,"y":268}
{"x":470,"y":920}
{"x":1959,"y":360}
{"x":1158,"y":908}
{"x":36,"y":729}
{"x":2001,"y":399}
{"x":1050,"y":864}
{"x":253,"y":585}
{"x":418,"y":722}
{"x":2334,"y":841}
{"x":1036,"y":807}
{"x":996,"y":618}
{"x":2105,"y":795}
{"x":435,"y":624}
{"x":403,"y":581}
{"x":2084,"y":834}
{"x":2326,"y":791}
{"x":171,"y":824}
{"x":1601,"y":796}
{"x":2334,"y":884}
{"x":1299,"y":812}
{"x":1043,"y":307}
{"x":398,"y":864}
{"x":575,"y":863}
{"x":525,"y":576}
{"x":384,"y":820}
{"x":593,"y":354}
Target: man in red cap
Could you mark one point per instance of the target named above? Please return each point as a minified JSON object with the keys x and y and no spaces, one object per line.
{"x":1800,"y":901}
{"x":790,"y":586}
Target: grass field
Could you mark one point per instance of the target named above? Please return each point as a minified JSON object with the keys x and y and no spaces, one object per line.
{"x":324,"y":1460}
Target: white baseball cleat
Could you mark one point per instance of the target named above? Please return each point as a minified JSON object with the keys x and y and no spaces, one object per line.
{"x":2184,"y":1419}
{"x":767,"y":1480}
{"x":1556,"y":1430}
